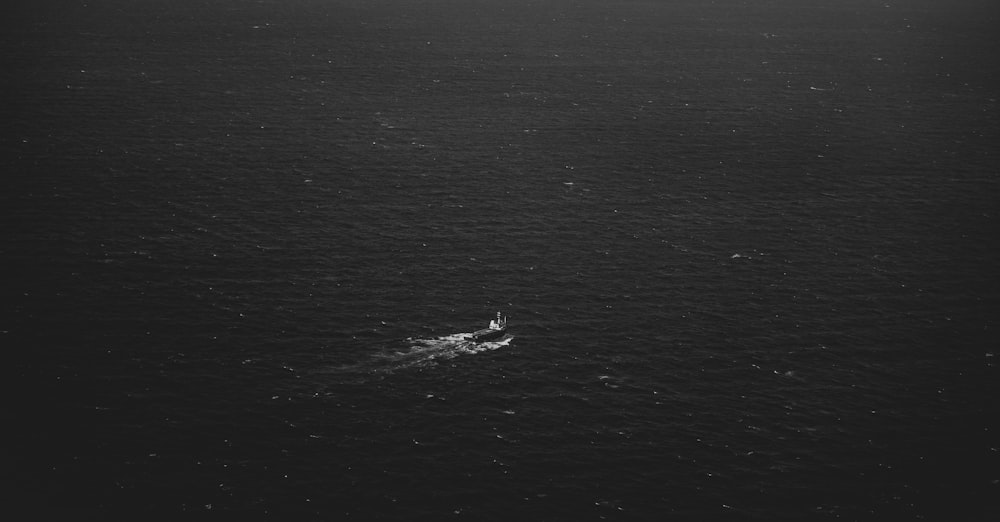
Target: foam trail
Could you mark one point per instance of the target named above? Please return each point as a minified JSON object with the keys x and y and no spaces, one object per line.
{"x":426,"y":352}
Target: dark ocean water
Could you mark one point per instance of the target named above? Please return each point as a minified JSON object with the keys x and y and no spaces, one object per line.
{"x":748,"y":251}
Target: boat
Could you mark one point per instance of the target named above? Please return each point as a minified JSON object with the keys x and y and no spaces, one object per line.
{"x":497,"y":328}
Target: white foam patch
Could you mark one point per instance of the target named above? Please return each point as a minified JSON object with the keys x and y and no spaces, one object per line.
{"x":427,"y":352}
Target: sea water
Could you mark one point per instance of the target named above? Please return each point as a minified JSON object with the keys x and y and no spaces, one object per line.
{"x":747,"y":250}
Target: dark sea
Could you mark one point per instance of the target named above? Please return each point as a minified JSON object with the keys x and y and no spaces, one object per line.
{"x":748,"y":251}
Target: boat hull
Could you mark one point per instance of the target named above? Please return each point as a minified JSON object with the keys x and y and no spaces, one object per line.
{"x":488,"y":334}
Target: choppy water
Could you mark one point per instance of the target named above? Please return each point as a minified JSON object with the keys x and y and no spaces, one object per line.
{"x":748,"y":252}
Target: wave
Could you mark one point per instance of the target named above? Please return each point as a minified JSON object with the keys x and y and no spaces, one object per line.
{"x":427,"y":352}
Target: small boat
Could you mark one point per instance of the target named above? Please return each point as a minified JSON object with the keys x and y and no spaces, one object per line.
{"x":497,"y":328}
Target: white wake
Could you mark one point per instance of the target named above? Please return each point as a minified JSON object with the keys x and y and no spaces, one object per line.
{"x":428,"y":352}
